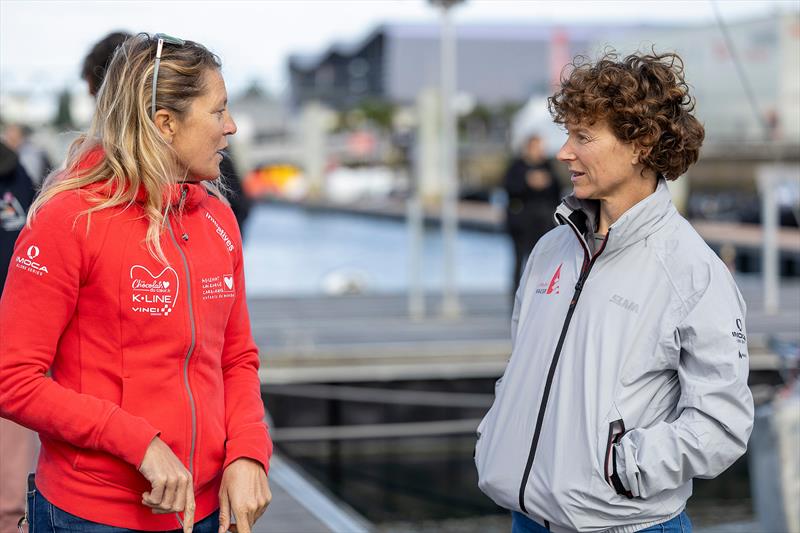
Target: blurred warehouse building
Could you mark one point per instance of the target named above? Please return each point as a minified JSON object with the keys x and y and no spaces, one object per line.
{"x":509,"y":64}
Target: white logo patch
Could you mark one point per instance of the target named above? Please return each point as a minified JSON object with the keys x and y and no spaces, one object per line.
{"x":153,"y":295}
{"x":28,"y":264}
{"x":12,"y":215}
{"x":216,"y":287}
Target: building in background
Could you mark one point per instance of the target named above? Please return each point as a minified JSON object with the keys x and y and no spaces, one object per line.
{"x":502,"y":64}
{"x":497,"y":64}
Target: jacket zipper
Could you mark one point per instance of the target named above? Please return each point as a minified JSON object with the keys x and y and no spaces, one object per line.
{"x":585,"y":269}
{"x":193,"y":340}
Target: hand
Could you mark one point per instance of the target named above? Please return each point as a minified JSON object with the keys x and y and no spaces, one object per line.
{"x":171,"y":485}
{"x":245,"y":491}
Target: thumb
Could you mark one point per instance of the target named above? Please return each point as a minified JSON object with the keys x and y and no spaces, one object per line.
{"x":224,"y":511}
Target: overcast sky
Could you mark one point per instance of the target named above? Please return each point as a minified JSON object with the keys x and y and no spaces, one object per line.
{"x":42,"y":43}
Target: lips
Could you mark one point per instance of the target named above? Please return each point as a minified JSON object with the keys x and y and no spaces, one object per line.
{"x":575,"y":174}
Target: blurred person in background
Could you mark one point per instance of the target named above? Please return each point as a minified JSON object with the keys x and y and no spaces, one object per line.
{"x":17,"y":444}
{"x":533,"y":194}
{"x":96,"y":62}
{"x":93,"y":72}
{"x":33,"y":158}
{"x":629,"y":364}
{"x":128,"y":287}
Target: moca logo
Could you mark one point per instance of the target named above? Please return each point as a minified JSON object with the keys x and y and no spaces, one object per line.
{"x":739,"y":335}
{"x":28,"y":263}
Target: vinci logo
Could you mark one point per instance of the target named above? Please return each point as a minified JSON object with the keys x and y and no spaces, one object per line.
{"x":29,"y":262}
{"x":151,"y":294}
{"x":553,"y":286}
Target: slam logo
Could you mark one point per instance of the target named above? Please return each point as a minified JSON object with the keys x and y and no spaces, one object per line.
{"x":555,"y":283}
{"x":151,"y":294}
{"x":29,"y":263}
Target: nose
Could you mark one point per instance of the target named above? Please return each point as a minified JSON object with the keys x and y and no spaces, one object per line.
{"x":230,"y":125}
{"x":565,"y":152}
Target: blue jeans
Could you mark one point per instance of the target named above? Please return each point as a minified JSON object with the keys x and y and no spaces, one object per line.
{"x":44,"y":517}
{"x":680,"y":524}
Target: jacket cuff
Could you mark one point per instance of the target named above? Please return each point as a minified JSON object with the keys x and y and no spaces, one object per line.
{"x":127,"y":437}
{"x":626,"y":471}
{"x":255,"y":447}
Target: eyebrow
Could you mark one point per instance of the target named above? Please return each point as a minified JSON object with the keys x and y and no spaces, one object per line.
{"x":578,"y":129}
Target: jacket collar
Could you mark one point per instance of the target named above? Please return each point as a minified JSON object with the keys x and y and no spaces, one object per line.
{"x":637,"y":223}
{"x":186,"y":195}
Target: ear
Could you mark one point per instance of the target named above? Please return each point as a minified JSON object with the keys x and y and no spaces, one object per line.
{"x":167,"y":124}
{"x":638,"y":153}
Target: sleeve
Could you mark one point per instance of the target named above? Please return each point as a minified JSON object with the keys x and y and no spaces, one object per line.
{"x":715,"y":405}
{"x":38,"y":303}
{"x":244,"y":410}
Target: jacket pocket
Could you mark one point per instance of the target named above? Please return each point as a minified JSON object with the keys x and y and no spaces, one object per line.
{"x":616,"y":430}
{"x":106,"y":469}
{"x":482,"y":427}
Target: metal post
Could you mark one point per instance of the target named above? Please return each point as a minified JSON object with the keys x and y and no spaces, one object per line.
{"x":450,"y":303}
{"x":416,"y":234}
{"x":313,"y":146}
{"x":768,"y":178}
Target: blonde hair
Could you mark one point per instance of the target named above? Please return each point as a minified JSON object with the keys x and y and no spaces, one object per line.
{"x":135,"y":154}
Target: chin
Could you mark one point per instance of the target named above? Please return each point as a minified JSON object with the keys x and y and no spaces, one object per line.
{"x":207,"y":174}
{"x":581,"y":193}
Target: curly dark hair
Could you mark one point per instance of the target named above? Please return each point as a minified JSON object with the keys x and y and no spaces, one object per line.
{"x":643,"y":98}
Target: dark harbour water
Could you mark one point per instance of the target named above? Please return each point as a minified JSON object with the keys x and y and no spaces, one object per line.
{"x":425,"y":484}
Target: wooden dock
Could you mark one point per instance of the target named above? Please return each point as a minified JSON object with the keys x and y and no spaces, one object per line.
{"x":300,"y":505}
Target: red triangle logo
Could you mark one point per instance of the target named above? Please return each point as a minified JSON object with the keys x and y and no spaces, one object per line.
{"x":554,"y":286}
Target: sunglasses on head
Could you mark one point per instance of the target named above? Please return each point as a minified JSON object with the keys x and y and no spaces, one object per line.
{"x":161,"y":39}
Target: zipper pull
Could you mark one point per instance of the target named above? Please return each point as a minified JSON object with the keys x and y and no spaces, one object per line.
{"x":184,"y":190}
{"x":183,"y":197}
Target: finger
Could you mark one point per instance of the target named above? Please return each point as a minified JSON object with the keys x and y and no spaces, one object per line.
{"x":188,"y":510}
{"x":168,"y":499}
{"x":179,"y":504}
{"x":224,"y":512}
{"x":242,"y":521}
{"x":266,"y":498}
{"x":258,"y":514}
{"x":156,"y":493}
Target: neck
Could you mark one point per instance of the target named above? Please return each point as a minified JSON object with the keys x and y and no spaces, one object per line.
{"x":616,"y":205}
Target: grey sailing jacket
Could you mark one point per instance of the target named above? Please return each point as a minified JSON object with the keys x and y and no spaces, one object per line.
{"x":627,"y":377}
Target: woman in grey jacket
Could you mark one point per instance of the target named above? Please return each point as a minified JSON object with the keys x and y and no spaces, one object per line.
{"x":628,"y":373}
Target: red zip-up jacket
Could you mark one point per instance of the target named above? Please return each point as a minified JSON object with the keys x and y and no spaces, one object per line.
{"x":135,"y":348}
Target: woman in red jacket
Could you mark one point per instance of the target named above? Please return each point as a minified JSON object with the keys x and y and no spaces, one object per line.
{"x":127,"y":286}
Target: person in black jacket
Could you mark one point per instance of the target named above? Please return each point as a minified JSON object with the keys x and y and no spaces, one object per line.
{"x":16,"y":195}
{"x":533,"y":195}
